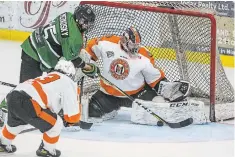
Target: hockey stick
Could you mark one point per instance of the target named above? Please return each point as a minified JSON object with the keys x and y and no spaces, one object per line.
{"x":181,"y":124}
{"x":7,"y":84}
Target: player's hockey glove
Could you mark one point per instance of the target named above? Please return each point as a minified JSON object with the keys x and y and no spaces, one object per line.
{"x":93,"y":73}
{"x":174,"y":91}
{"x":78,"y":63}
{"x":66,"y":124}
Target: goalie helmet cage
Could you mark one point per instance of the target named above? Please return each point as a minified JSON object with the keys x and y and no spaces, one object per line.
{"x":182,"y":42}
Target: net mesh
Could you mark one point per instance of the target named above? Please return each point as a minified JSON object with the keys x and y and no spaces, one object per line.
{"x":180,"y":45}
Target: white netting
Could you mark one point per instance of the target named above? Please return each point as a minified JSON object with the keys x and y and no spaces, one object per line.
{"x":181,"y":43}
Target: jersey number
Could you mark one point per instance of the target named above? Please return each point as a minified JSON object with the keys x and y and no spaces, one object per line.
{"x":49,"y":30}
{"x":48,"y":79}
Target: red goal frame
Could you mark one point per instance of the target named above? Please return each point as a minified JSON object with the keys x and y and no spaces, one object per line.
{"x":179,"y":12}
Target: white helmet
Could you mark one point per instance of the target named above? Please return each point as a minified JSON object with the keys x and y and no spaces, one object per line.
{"x":66,"y":67}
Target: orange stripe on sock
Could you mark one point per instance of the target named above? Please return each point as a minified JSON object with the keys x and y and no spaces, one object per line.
{"x":7,"y":134}
{"x":51,"y":140}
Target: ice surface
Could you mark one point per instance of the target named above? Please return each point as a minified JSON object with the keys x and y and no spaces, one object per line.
{"x":120,"y":138}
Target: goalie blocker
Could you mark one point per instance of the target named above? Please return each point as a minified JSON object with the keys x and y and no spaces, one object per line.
{"x":102,"y":106}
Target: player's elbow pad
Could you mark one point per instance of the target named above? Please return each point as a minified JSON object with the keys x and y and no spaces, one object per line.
{"x":78,"y":63}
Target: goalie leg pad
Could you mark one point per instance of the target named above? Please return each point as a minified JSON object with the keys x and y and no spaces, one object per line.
{"x":170,"y":111}
{"x":100,"y":107}
{"x":102,"y":103}
{"x":95,"y":108}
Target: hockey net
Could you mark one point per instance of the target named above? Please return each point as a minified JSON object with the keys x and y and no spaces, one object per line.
{"x":182,"y":42}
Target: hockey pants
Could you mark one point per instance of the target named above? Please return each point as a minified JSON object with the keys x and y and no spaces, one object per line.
{"x":30,"y":68}
{"x":23,"y":110}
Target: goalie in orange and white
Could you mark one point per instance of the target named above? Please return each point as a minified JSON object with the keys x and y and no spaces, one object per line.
{"x":130,"y":67}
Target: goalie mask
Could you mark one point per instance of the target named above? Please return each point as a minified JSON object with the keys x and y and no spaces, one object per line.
{"x":130,"y":41}
{"x":84,"y":17}
{"x":65,"y":67}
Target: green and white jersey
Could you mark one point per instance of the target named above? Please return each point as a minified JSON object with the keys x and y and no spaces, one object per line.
{"x":61,"y":37}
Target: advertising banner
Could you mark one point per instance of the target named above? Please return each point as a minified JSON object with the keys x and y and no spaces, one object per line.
{"x":27,"y":15}
{"x":224,"y":11}
{"x":33,"y":14}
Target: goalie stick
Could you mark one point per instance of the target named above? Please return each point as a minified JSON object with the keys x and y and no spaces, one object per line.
{"x":181,"y":124}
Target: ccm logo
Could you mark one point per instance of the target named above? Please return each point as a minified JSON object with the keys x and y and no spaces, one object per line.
{"x":179,"y":104}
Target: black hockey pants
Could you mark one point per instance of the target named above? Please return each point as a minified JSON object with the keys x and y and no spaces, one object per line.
{"x":102,"y":103}
{"x":30,"y":68}
{"x":22,"y":111}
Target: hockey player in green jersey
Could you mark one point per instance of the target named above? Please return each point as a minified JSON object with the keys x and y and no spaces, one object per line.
{"x":62,"y":37}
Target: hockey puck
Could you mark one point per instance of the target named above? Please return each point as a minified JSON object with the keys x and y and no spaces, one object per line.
{"x":159,"y":123}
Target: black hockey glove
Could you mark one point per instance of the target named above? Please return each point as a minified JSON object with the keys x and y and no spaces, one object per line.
{"x":66,"y":124}
{"x":78,"y":63}
{"x":93,"y":73}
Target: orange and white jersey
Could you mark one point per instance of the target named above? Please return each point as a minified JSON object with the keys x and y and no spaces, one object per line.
{"x":127,"y":73}
{"x":55,"y":91}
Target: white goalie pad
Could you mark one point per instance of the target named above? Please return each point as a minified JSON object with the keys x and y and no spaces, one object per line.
{"x":85,"y":112}
{"x":169,"y":111}
{"x":85,"y":116}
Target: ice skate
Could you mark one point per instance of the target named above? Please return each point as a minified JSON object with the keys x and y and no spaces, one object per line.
{"x":7,"y":148}
{"x":45,"y":153}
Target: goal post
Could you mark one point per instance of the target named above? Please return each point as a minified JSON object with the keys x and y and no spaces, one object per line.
{"x":182,"y":42}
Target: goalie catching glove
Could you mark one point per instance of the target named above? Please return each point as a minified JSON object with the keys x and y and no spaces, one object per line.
{"x":93,"y":72}
{"x":174,"y":91}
